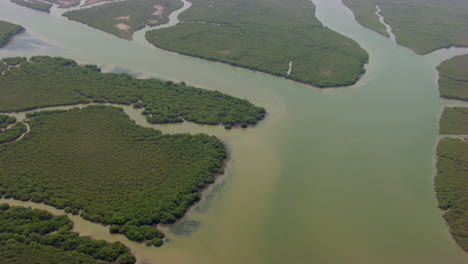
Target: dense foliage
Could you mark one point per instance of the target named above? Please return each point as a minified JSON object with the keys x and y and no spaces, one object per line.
{"x":5,"y":121}
{"x":12,"y":133}
{"x":364,"y":13}
{"x":9,"y":132}
{"x":64,"y":3}
{"x":36,"y":236}
{"x":96,"y":162}
{"x":46,"y":81}
{"x":123,"y":18}
{"x":451,"y":184}
{"x":265,"y":35}
{"x":7,"y":31}
{"x":453,"y":78}
{"x":92,"y":2}
{"x":421,"y":25}
{"x":454,"y":120}
{"x":34,"y":4}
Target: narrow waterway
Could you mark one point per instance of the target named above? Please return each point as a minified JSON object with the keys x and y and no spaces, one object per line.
{"x":387,"y":26}
{"x":338,"y":176}
{"x":139,"y":36}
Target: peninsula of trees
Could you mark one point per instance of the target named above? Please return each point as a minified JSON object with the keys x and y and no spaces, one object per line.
{"x":123,"y":18}
{"x":421,"y":25}
{"x":454,"y":120}
{"x":282,"y":38}
{"x":34,"y":4}
{"x":36,"y":236}
{"x":453,"y":78}
{"x":46,"y":81}
{"x":364,"y":13}
{"x":95,"y":161}
{"x":451,"y":182}
{"x":7,"y":31}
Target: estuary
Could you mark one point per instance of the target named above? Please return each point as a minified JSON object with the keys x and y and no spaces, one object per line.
{"x":331,"y":176}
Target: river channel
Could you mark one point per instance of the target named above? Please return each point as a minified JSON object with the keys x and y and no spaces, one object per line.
{"x":332,"y":176}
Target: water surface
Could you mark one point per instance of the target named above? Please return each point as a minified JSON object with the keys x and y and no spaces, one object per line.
{"x":337,"y":176}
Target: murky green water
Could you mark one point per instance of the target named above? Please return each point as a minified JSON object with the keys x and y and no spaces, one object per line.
{"x":337,"y":176}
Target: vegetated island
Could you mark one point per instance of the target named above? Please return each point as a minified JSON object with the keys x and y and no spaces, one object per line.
{"x":454,"y":120}
{"x":453,"y":78}
{"x":36,"y":236}
{"x":7,"y":31}
{"x":95,"y":161}
{"x":64,"y":3}
{"x":451,"y":182}
{"x":45,"y":81}
{"x":92,"y":2}
{"x":278,"y":37}
{"x":123,"y":18}
{"x":364,"y":13}
{"x":451,"y":185}
{"x":34,"y":4}
{"x":421,"y":25}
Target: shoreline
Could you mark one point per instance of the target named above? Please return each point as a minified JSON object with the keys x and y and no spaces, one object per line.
{"x":13,"y":35}
{"x":203,"y":191}
{"x":269,"y":73}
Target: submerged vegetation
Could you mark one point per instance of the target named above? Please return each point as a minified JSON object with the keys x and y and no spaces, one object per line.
{"x":123,"y":18}
{"x":453,"y":78}
{"x":451,"y":184}
{"x":36,"y":236}
{"x":454,"y":120}
{"x":421,"y":25}
{"x":34,"y":4}
{"x":265,"y":36}
{"x":7,"y":31}
{"x":97,"y":163}
{"x":46,"y":81}
{"x":364,"y":13}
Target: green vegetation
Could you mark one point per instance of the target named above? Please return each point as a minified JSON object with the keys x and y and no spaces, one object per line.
{"x":265,"y":35}
{"x":453,"y":78}
{"x":97,"y":163}
{"x":451,"y":184}
{"x":421,"y":25}
{"x":454,"y":120}
{"x":5,"y":121}
{"x":12,"y":133}
{"x":122,"y":19}
{"x":91,"y":2}
{"x":7,"y":31}
{"x":36,"y":236}
{"x":34,"y":4}
{"x":65,"y":3}
{"x":45,"y":81}
{"x":364,"y":12}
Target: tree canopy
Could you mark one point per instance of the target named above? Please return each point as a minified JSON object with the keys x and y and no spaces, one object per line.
{"x":36,"y":236}
{"x":46,"y":81}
